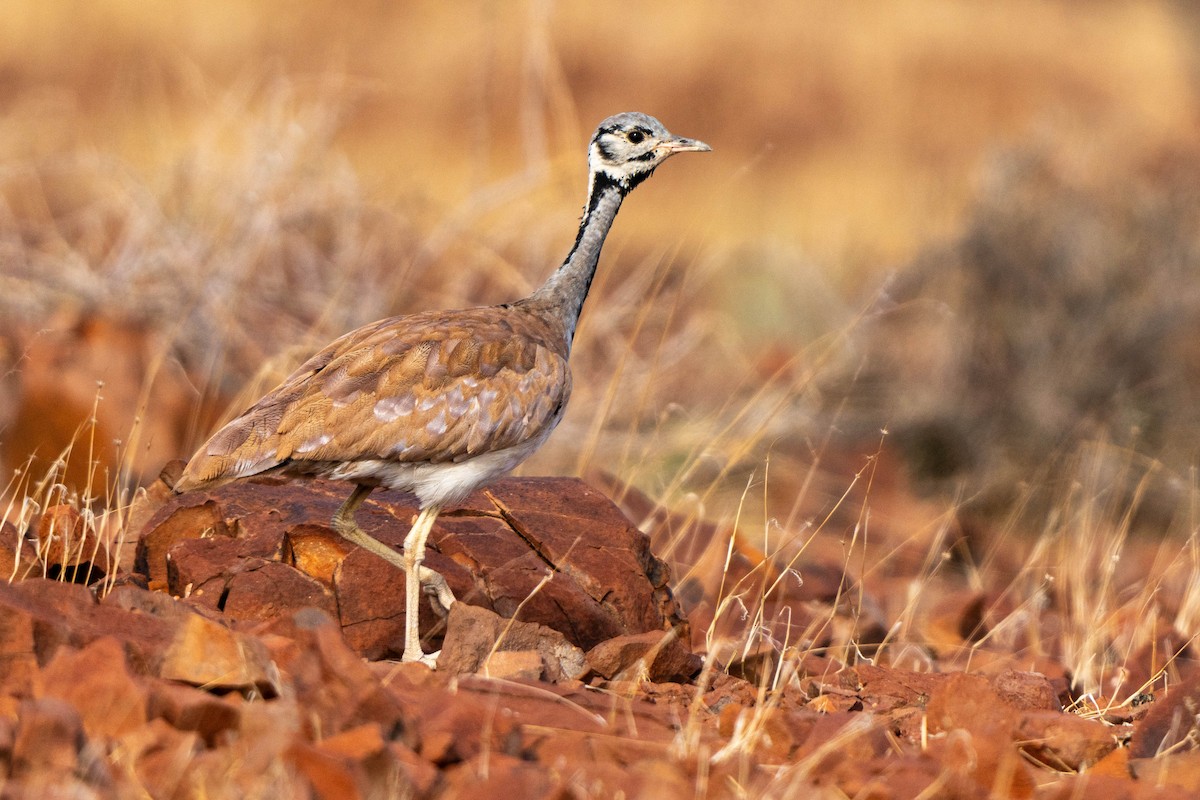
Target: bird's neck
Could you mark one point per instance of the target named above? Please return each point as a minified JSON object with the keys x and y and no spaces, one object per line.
{"x":563,"y":292}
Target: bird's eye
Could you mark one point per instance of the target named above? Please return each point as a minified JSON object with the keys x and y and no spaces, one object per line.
{"x":636,"y":136}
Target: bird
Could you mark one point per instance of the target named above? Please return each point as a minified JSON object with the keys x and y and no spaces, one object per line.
{"x":438,"y":403}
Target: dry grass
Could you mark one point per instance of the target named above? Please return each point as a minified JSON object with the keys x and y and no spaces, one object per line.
{"x":72,"y":532}
{"x":243,"y":187}
{"x":1064,"y":312}
{"x":235,"y":179}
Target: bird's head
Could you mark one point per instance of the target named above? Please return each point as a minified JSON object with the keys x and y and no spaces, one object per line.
{"x":628,"y":147}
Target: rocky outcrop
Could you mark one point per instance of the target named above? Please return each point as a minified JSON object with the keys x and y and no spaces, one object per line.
{"x":551,"y":552}
{"x":248,"y":655}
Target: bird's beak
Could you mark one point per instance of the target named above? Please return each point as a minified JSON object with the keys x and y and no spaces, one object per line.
{"x":679,"y":144}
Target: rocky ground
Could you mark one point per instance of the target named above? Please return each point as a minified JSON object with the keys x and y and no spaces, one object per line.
{"x":239,"y":648}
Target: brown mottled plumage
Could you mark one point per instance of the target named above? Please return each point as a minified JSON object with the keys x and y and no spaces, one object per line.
{"x":422,"y":388}
{"x":441,"y":402}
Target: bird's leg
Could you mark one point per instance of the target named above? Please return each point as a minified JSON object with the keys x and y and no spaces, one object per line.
{"x":435,"y":586}
{"x":440,"y":596}
{"x":344,"y":524}
{"x":414,"y":554}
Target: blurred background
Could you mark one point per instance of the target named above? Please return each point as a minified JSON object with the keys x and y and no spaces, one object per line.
{"x":961,"y":235}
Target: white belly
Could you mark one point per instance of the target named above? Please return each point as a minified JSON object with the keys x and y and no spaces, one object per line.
{"x":438,"y":484}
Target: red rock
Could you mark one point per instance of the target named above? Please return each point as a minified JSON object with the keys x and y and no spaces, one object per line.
{"x":519,"y":718}
{"x":59,"y":530}
{"x":1026,"y":691}
{"x":256,"y":513}
{"x":860,"y":740}
{"x":513,"y":665}
{"x":339,"y":726}
{"x":66,"y":545}
{"x":370,"y":605}
{"x":204,"y":570}
{"x":827,"y":704}
{"x":907,"y":724}
{"x":1118,"y":712}
{"x":473,"y":633}
{"x":1170,"y":650}
{"x":187,"y":708}
{"x":170,"y":524}
{"x":357,"y":762}
{"x":18,"y":657}
{"x":413,"y":770}
{"x":458,"y":727}
{"x":884,"y":689}
{"x":206,"y":653}
{"x":315,"y":550}
{"x":513,"y":576}
{"x":1115,"y":764}
{"x":500,"y":775}
{"x":18,"y":556}
{"x":161,"y":756}
{"x":329,"y":680}
{"x":198,"y":567}
{"x":144,"y":604}
{"x":655,"y":656}
{"x":274,"y":590}
{"x":1064,"y":741}
{"x":886,"y":777}
{"x":48,"y":739}
{"x":968,"y":703}
{"x":330,"y":775}
{"x":609,"y":770}
{"x":908,"y":776}
{"x":756,"y":664}
{"x":8,"y":734}
{"x":1103,"y":787}
{"x":55,"y":612}
{"x":727,"y":689}
{"x":148,"y":501}
{"x":845,"y":752}
{"x":58,"y":614}
{"x":97,"y":682}
{"x":1180,"y":769}
{"x":146,"y":622}
{"x":265,"y":733}
{"x":493,"y":553}
{"x":583,"y":534}
{"x":254,"y":762}
{"x":125,"y":578}
{"x":67,"y":614}
{"x":776,"y":733}
{"x":357,"y":743}
{"x":598,"y":736}
{"x":1173,"y":717}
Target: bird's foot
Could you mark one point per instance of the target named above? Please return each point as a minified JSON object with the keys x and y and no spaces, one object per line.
{"x":438,"y":591}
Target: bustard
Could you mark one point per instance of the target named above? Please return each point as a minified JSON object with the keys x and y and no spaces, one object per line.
{"x":441,"y":402}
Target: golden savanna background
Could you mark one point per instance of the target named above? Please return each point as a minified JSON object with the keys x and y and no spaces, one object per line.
{"x":968,"y":231}
{"x":900,"y":386}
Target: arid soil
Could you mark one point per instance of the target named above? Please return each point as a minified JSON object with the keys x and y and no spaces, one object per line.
{"x":241,"y":649}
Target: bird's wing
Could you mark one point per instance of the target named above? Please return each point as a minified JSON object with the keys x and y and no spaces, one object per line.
{"x":410,"y":389}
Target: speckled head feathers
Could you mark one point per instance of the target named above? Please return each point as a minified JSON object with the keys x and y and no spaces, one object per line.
{"x":627,"y":148}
